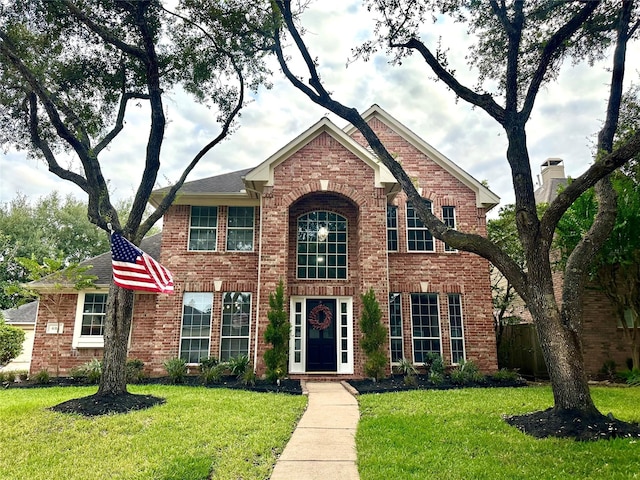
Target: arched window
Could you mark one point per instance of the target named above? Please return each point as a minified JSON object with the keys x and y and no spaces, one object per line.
{"x":322,"y":245}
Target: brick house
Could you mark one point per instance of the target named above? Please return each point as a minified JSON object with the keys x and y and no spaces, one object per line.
{"x":330,"y":221}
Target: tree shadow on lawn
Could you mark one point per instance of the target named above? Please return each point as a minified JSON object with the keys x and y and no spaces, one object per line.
{"x":569,"y":424}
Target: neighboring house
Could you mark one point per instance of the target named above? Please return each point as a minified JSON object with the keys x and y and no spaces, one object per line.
{"x":328,"y":219}
{"x":602,"y":337}
{"x":23,"y":317}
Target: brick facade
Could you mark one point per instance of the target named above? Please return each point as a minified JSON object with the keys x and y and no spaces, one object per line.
{"x":326,"y":171}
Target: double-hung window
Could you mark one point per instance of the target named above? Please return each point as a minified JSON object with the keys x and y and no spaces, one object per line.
{"x":395,"y":327}
{"x":236,"y":315}
{"x":240,"y":221}
{"x":456,"y":328}
{"x":90,"y":316}
{"x":419,"y":238}
{"x":392,"y":228}
{"x":425,"y":321}
{"x":203,"y":228}
{"x":449,"y":219}
{"x":196,"y":326}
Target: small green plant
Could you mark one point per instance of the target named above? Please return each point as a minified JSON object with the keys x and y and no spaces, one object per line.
{"x":90,"y":371}
{"x":239,"y":365}
{"x":466,"y":372}
{"x":176,"y":369}
{"x":42,"y":377}
{"x":8,"y":376}
{"x":506,"y":375}
{"x":608,"y":369}
{"x":408,"y":370}
{"x":632,"y":377}
{"x":433,"y":363}
{"x":248,"y":377}
{"x":135,"y":370}
{"x":23,"y":375}
{"x":374,"y":336}
{"x":211,"y":370}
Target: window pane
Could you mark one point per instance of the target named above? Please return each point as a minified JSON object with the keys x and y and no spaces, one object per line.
{"x":203,"y":228}
{"x":236,"y":315}
{"x":240,"y":229}
{"x":456,"y":327}
{"x":322,"y":242}
{"x":425,"y":323}
{"x":196,"y":326}
{"x":419,"y":238}
{"x":94,"y":311}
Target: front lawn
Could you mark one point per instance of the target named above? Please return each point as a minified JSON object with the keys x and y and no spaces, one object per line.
{"x":460,"y":434}
{"x":228,"y":434}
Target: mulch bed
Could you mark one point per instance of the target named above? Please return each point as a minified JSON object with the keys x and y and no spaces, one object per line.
{"x":396,"y":383}
{"x":95,"y":405}
{"x":572,"y":424}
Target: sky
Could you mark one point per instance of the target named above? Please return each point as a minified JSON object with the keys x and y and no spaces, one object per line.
{"x":566,"y":117}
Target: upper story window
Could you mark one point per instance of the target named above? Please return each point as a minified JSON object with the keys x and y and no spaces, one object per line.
{"x":419,"y":238}
{"x":240,"y":222}
{"x":449,"y":219}
{"x":392,"y":228}
{"x":322,"y":245}
{"x":89,"y":325}
{"x":203,"y":228}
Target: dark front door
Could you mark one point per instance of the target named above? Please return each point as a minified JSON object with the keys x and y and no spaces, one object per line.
{"x":321,"y":335}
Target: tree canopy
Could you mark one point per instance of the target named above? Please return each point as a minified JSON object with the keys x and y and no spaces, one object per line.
{"x":518,"y":49}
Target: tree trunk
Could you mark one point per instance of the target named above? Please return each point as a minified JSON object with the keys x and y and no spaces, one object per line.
{"x":116,"y":341}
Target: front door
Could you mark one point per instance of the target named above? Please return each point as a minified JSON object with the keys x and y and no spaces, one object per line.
{"x":321,"y":335}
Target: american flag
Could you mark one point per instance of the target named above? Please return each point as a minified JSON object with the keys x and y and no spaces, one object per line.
{"x":135,"y":270}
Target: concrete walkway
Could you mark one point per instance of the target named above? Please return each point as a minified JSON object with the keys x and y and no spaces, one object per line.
{"x":323,"y":444}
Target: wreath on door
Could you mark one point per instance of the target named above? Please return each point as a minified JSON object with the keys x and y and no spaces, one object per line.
{"x":315,"y":319}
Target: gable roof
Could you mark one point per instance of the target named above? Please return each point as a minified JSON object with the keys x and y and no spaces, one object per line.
{"x":263,"y":175}
{"x":22,"y":315}
{"x":245,"y":186}
{"x":485,"y":198}
{"x":101,"y":265}
{"x":228,"y":185}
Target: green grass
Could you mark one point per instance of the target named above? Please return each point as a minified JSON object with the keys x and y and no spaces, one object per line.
{"x":460,"y":434}
{"x":198,"y":431}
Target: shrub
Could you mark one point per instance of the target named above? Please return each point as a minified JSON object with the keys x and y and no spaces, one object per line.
{"x":8,"y":376}
{"x":90,"y":371}
{"x":211,"y":370}
{"x":609,"y":369}
{"x":433,"y":364}
{"x":135,"y":370}
{"x":42,"y":377}
{"x":504,"y":375}
{"x":277,"y":334}
{"x":11,"y":340}
{"x":406,"y":368}
{"x":632,"y":377}
{"x":176,"y":369}
{"x":248,"y":377}
{"x":374,"y":336}
{"x":466,"y":372}
{"x":239,"y":365}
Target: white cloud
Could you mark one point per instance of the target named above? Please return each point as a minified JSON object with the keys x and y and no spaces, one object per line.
{"x":566,"y":115}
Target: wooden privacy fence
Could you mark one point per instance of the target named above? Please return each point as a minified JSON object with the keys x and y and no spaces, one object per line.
{"x":520,"y":349}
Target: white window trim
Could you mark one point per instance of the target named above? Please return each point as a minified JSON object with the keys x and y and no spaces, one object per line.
{"x":248,"y":337}
{"x":85,"y":341}
{"x":406,"y":218}
{"x":401,"y":337}
{"x":253,"y":231}
{"x":464,"y":343}
{"x":341,"y":368}
{"x":413,"y":337}
{"x":181,"y":325}
{"x":216,"y":228}
{"x":445,"y":247}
